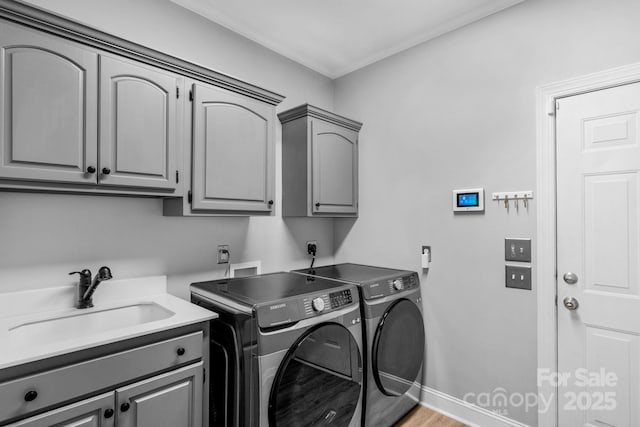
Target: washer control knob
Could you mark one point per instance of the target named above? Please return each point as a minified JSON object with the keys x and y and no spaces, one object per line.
{"x":397,"y":285}
{"x":317,"y":304}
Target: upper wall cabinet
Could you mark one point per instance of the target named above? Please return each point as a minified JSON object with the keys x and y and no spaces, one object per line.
{"x":50,"y":120}
{"x":87,"y":112}
{"x":319,"y":163}
{"x":138,"y":125}
{"x":233,"y":152}
{"x":48,"y":131}
{"x":232,"y":155}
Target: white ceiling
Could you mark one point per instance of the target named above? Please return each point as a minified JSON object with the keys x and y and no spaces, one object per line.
{"x":335,"y":37}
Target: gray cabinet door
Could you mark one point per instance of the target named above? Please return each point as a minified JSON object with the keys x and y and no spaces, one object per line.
{"x":233,"y":152}
{"x":334,"y":170}
{"x":48,"y":108}
{"x":168,"y":400}
{"x":91,"y":412}
{"x":138,"y":107}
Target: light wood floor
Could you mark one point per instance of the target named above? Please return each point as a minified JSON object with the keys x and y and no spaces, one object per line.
{"x":425,"y":417}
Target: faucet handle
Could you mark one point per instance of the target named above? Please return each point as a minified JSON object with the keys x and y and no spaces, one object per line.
{"x":85,"y":275}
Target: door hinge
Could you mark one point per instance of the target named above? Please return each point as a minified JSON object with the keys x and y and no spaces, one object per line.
{"x":190,"y":95}
{"x":553,"y":107}
{"x":177,"y":92}
{"x":177,"y":177}
{"x":204,"y":375}
{"x":189,"y":197}
{"x":556,"y":300}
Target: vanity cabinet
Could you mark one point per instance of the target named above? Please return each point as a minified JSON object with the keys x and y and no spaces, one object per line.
{"x":158,"y":384}
{"x":232,"y":155}
{"x":172,"y":399}
{"x":319,"y":163}
{"x":165,"y":400}
{"x":58,"y":127}
{"x":94,"y":412}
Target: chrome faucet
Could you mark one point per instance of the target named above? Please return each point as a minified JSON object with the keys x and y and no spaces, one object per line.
{"x":86,"y":286}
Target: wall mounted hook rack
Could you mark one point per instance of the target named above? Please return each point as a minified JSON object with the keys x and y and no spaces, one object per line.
{"x":515,"y":196}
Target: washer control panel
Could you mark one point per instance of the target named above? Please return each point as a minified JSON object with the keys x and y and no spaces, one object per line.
{"x":342,"y":298}
{"x":317,"y":304}
{"x":291,"y":310}
{"x":325,"y":302}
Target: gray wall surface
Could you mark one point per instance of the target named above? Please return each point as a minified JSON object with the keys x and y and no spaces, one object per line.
{"x":459,"y":112}
{"x":45,"y":236}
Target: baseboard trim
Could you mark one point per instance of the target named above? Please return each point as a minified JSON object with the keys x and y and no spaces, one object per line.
{"x":464,"y":412}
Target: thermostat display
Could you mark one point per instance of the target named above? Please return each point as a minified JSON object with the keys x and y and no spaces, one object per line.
{"x":469,"y":200}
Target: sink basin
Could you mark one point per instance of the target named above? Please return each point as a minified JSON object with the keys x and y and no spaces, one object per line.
{"x":81,"y":323}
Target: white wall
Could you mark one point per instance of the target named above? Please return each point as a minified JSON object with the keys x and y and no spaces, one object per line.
{"x":45,"y":236}
{"x":459,"y":112}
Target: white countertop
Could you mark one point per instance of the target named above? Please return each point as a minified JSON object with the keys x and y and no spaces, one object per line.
{"x":35,"y":306}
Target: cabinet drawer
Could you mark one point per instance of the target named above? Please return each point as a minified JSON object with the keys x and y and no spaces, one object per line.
{"x":25,"y":395}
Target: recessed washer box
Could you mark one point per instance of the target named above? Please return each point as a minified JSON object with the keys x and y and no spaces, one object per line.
{"x":468,"y":200}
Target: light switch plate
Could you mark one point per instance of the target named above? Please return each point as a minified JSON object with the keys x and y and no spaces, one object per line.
{"x":518,"y":277}
{"x":517,"y":250}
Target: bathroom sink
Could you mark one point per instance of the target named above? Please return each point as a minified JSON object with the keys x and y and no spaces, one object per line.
{"x":86,"y":322}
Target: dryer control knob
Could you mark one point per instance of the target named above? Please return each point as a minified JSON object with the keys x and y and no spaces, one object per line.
{"x":317,"y":304}
{"x":397,"y":285}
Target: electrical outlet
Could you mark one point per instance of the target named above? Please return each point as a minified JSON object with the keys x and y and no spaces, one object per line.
{"x":223,"y":254}
{"x":312,"y":247}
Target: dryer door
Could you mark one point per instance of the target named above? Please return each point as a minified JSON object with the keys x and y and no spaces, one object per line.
{"x":319,"y":381}
{"x":398,"y":348}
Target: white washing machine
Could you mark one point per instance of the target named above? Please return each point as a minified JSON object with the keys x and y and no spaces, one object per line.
{"x":391,"y":307}
{"x":286,"y":351}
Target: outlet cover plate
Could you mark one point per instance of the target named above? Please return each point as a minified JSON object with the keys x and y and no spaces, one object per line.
{"x":312,"y":242}
{"x":223,"y":254}
{"x":518,"y":277}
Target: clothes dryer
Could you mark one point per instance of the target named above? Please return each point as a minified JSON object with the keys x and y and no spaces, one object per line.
{"x":393,"y":329}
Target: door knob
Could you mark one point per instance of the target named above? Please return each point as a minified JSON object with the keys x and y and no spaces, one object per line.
{"x":570,"y":303}
{"x":570,"y":278}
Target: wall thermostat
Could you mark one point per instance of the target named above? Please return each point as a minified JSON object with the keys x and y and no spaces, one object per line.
{"x":469,"y":200}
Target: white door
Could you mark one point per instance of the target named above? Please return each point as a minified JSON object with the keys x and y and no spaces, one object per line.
{"x":598,"y":157}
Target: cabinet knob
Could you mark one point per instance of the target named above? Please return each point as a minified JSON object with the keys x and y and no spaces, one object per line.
{"x":317,"y":204}
{"x":91,"y":169}
{"x":30,"y":396}
{"x":108,"y":413}
{"x":270,"y":202}
{"x":125,"y":407}
{"x":106,"y":171}
{"x":181,"y":351}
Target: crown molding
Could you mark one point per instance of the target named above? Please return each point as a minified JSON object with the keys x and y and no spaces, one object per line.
{"x":42,"y":20}
{"x":306,"y":110}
